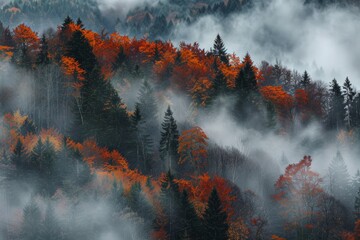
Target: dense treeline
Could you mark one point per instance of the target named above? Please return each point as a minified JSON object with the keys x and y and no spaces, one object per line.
{"x":91,"y":161}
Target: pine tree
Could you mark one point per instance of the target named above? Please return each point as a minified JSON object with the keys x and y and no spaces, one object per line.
{"x":4,"y":158}
{"x":143,"y":142}
{"x":339,"y":178}
{"x":120,"y":59}
{"x":171,"y":205}
{"x":220,"y":50}
{"x":31,"y":225}
{"x":215,"y":219}
{"x":79,"y":48}
{"x":148,"y":107}
{"x":336,"y":113}
{"x":348,"y":95}
{"x":357,"y":205}
{"x":117,"y":196}
{"x":50,"y":228}
{"x":190,"y":222}
{"x":169,"y":141}
{"x":355,"y":182}
{"x":247,"y":90}
{"x":18,"y":157}
{"x":43,"y":56}
{"x":305,"y":81}
{"x":219,"y":83}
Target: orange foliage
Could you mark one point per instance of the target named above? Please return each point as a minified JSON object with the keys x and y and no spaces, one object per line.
{"x":282,"y":101}
{"x":6,"y":52}
{"x":192,"y":146}
{"x":354,"y":235}
{"x":274,"y":237}
{"x":72,"y":68}
{"x":23,"y":35}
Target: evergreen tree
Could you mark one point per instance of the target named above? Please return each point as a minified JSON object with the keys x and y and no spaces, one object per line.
{"x":6,"y":38}
{"x":31,"y":225}
{"x":339,"y":178}
{"x":215,"y":219}
{"x":219,"y":83}
{"x":348,"y":95}
{"x":148,"y":107}
{"x":18,"y":157}
{"x":355,"y":182}
{"x":67,"y":21}
{"x":79,"y":48}
{"x":144,"y":144}
{"x":247,"y":90}
{"x":169,"y":141}
{"x":117,"y":196}
{"x":50,"y":228}
{"x":190,"y":222}
{"x":336,"y":113}
{"x":305,"y":81}
{"x":220,"y":50}
{"x":357,"y":205}
{"x":28,"y":127}
{"x":43,"y":56}
{"x":4,"y":158}
{"x":120,"y":59}
{"x":171,"y":205}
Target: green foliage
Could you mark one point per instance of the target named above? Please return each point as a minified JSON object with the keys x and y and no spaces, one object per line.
{"x":215,"y":219}
{"x":169,"y":141}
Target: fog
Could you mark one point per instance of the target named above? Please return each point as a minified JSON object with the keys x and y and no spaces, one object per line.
{"x":324,"y":42}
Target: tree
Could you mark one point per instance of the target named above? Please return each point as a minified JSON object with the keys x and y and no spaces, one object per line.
{"x":220,"y":50}
{"x":167,"y":219}
{"x":339,"y":178}
{"x":169,"y":141}
{"x":219,"y":83}
{"x":31,"y":225}
{"x":189,"y":221}
{"x":192,"y":146}
{"x":348,"y":94}
{"x":305,"y":81}
{"x":215,"y":219}
{"x":335,"y":118}
{"x":144,"y":144}
{"x":246,"y":89}
{"x":43,"y":56}
{"x":357,"y":205}
{"x":299,"y":194}
{"x":18,"y":157}
{"x":50,"y":228}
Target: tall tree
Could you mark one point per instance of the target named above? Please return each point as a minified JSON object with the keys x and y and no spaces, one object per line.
{"x":220,"y":50}
{"x":215,"y":219}
{"x":43,"y":56}
{"x":357,"y":205}
{"x":169,"y":141}
{"x":19,"y":157}
{"x":50,"y":228}
{"x":189,"y":221}
{"x":31,"y":225}
{"x":336,"y":113}
{"x":348,"y":95}
{"x":305,"y":81}
{"x":339,"y":178}
{"x":143,"y":142}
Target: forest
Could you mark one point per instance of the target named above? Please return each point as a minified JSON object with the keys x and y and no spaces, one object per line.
{"x":106,"y":136}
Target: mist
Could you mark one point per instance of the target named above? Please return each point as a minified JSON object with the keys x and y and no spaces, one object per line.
{"x":322,"y":41}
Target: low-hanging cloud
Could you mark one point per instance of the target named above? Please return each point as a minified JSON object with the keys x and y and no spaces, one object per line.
{"x":324,"y":42}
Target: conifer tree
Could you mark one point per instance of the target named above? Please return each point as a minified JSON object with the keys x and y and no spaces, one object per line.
{"x":219,"y":83}
{"x":31,"y":225}
{"x":169,"y":141}
{"x":220,"y":50}
{"x":190,"y":222}
{"x":43,"y":56}
{"x":357,"y":205}
{"x":348,"y":95}
{"x":336,"y":113}
{"x":171,"y":204}
{"x":148,"y":107}
{"x":143,"y":142}
{"x":305,"y":81}
{"x":50,"y":228}
{"x":215,"y":219}
{"x":18,"y":157}
{"x":339,"y":178}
